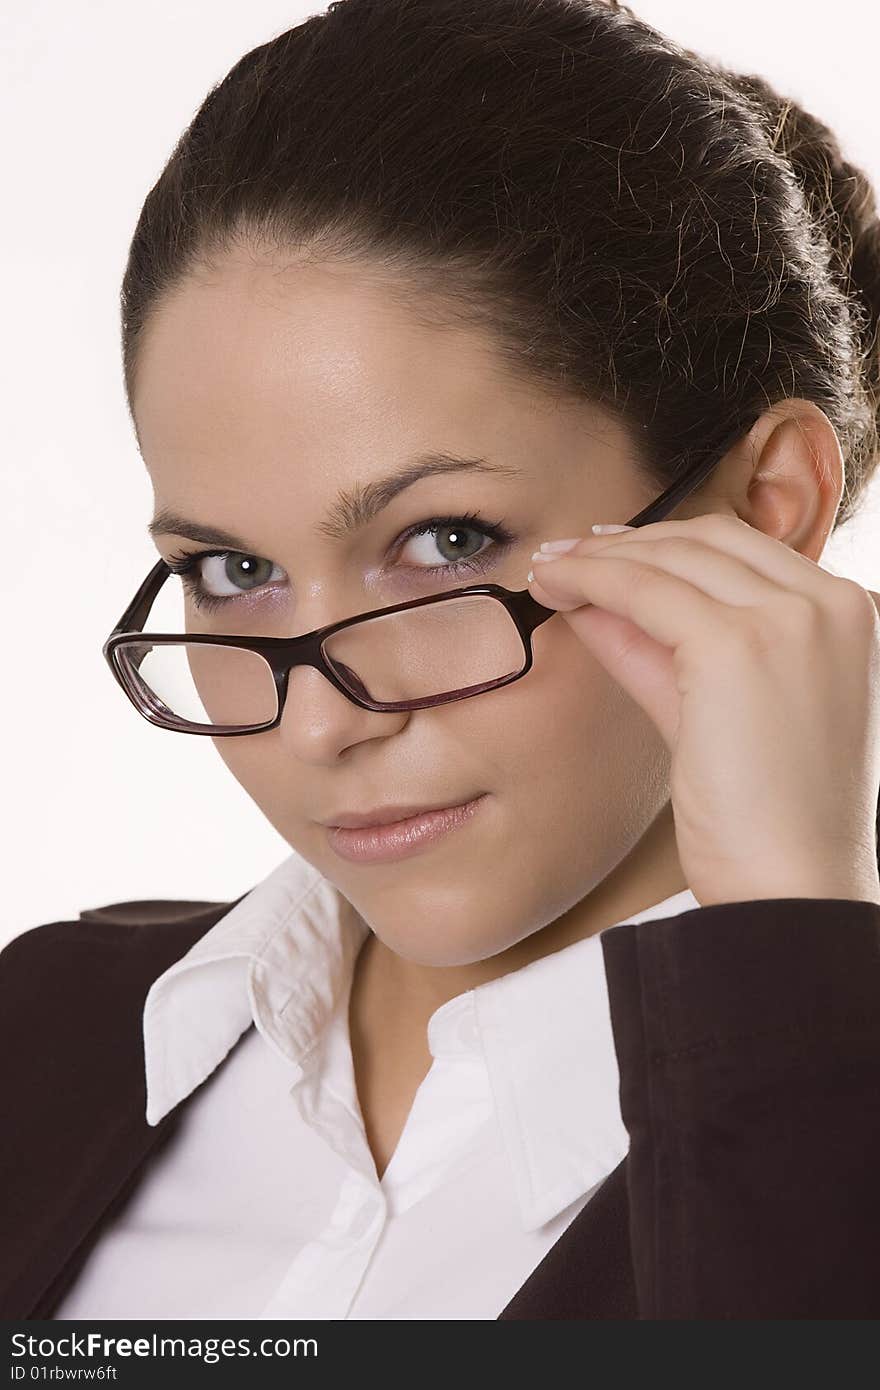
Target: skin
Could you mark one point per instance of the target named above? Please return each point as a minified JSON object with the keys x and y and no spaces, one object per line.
{"x":263,"y":388}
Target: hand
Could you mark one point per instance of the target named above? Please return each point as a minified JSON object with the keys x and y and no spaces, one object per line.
{"x":761,"y":670}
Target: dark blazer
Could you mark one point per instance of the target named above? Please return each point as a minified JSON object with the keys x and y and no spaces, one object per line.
{"x":748,"y":1042}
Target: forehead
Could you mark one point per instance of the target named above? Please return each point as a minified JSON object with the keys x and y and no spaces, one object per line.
{"x":260,"y":378}
{"x":311,"y":351}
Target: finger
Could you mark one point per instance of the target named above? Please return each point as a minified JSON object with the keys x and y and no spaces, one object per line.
{"x":719,"y":574}
{"x":730,"y":534}
{"x":669,"y":609}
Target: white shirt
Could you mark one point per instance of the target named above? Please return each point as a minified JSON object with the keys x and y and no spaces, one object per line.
{"x":265,"y":1201}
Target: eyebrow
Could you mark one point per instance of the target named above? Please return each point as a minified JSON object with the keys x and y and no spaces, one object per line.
{"x":352,"y":509}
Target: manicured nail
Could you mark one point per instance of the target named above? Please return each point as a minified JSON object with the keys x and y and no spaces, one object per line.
{"x":540,"y":555}
{"x":601,"y":530}
{"x":560,"y":545}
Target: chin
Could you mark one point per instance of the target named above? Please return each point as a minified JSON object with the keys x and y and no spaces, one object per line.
{"x":429,"y":935}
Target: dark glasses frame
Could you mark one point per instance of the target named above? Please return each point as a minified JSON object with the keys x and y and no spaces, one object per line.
{"x":282,"y":654}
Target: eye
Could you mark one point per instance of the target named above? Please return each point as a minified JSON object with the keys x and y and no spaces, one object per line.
{"x":457,"y":541}
{"x":205,"y":572}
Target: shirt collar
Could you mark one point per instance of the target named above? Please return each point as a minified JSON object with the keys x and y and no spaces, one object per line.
{"x":283,"y":956}
{"x":289,"y":945}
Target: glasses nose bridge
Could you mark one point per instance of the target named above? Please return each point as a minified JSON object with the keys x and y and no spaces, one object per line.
{"x":303,"y":650}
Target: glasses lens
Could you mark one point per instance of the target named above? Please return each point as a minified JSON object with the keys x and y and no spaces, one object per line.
{"x":200,"y":684}
{"x":460,"y":645}
{"x":204,"y":684}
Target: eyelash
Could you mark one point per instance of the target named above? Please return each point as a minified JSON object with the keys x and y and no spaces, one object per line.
{"x":184,"y":563}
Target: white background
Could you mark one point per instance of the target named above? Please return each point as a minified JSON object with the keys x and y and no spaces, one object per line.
{"x":102,"y":807}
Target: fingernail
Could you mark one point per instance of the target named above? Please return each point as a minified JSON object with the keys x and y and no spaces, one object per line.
{"x":601,"y":530}
{"x":539,"y":555}
{"x":560,"y":545}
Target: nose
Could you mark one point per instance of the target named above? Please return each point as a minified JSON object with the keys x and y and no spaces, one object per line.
{"x":320,"y":722}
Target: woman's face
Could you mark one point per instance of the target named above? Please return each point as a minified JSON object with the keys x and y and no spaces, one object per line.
{"x":266,"y":390}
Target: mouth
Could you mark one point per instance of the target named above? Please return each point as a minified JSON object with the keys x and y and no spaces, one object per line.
{"x":384,"y":842}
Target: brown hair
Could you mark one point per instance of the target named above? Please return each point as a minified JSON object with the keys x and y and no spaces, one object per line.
{"x":626,"y":220}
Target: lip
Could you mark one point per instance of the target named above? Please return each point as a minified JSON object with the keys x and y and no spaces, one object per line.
{"x":383,"y":815}
{"x":384,"y":841}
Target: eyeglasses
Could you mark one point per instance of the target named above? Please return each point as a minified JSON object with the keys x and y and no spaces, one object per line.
{"x":413,"y":655}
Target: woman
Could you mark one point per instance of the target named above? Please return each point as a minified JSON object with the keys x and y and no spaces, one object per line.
{"x":424,"y":292}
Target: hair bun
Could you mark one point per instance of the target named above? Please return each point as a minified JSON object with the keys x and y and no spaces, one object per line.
{"x":841,"y":200}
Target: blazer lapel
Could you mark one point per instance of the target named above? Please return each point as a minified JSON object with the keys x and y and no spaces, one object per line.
{"x":588,"y":1273}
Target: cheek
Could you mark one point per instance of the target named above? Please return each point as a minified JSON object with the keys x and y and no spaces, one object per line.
{"x":577,"y":750}
{"x":563,"y":706}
